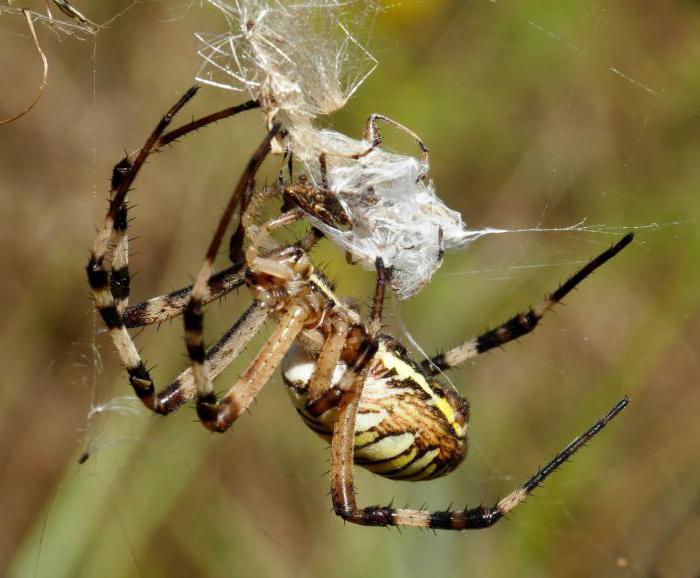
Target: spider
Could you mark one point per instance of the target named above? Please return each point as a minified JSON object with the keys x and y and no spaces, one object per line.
{"x":350,"y":383}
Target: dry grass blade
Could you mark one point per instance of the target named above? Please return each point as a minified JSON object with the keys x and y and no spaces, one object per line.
{"x":76,"y":15}
{"x":44,"y":78}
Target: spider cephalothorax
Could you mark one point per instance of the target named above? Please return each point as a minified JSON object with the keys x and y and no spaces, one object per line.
{"x":354,"y":386}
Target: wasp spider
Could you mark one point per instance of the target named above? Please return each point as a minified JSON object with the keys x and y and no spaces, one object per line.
{"x":349,"y":383}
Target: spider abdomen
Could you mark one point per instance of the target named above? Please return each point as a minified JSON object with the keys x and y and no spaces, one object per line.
{"x":407,"y":428}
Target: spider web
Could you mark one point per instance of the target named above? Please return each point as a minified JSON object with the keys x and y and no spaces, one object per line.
{"x":516,"y":253}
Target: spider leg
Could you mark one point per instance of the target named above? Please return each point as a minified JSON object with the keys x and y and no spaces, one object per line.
{"x":98,"y":270}
{"x":371,"y":134}
{"x":219,"y":356}
{"x":520,"y":324}
{"x":165,"y":307}
{"x":343,"y":490}
{"x":323,"y":167}
{"x":119,"y":276}
{"x":383,"y":279}
{"x":321,"y":395}
{"x":201,"y":122}
{"x":236,"y":242}
{"x":107,"y":268}
{"x":312,"y":236}
{"x":193,"y":316}
{"x":219,"y":415}
{"x":259,"y":234}
{"x":179,"y":132}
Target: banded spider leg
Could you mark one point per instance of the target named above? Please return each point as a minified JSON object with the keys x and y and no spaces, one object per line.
{"x":108,"y":272}
{"x":343,"y":442}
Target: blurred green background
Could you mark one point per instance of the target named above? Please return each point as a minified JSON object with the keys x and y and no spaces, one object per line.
{"x":538,"y":114}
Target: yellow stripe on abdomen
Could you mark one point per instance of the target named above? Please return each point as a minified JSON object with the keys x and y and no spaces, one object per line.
{"x":386,"y":448}
{"x":404,"y":371}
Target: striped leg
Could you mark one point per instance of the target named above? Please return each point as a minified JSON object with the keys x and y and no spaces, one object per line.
{"x":107,"y":268}
{"x":218,"y":416}
{"x":520,"y":324}
{"x":219,"y":357}
{"x":98,"y":270}
{"x":165,"y":307}
{"x":119,"y":277}
{"x":193,"y":316}
{"x":343,"y":490}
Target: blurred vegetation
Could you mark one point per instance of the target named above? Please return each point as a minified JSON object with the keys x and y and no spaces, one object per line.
{"x":538,"y":114}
